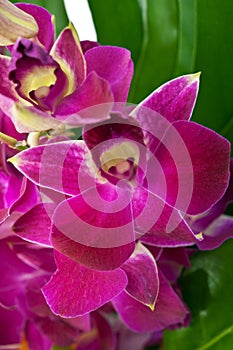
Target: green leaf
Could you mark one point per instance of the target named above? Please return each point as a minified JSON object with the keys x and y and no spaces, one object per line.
{"x":214,"y":57}
{"x":158,"y":48}
{"x":118,"y":23}
{"x":160,"y":35}
{"x":55,"y":7}
{"x":186,"y":48}
{"x":208,"y":291}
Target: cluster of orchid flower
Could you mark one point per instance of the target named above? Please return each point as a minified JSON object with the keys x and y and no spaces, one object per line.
{"x":96,"y":230}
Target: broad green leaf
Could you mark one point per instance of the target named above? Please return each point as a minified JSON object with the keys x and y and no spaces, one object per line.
{"x":208,"y":291}
{"x":160,"y":35}
{"x":158,"y":48}
{"x":149,"y":29}
{"x":118,"y":23}
{"x":55,"y":7}
{"x":214,"y":57}
{"x":185,"y":56}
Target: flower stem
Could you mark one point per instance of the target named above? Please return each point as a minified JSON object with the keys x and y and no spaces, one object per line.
{"x":10,"y":141}
{"x":216,"y":339}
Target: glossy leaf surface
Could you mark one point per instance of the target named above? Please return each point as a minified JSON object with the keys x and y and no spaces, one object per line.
{"x":208,"y":291}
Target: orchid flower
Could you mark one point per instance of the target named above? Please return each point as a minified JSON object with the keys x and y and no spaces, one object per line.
{"x":131,"y":178}
{"x":131,"y":181}
{"x":46,"y":84}
{"x":26,"y":319}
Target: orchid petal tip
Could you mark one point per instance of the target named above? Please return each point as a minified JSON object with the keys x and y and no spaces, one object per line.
{"x":199,"y":236}
{"x":151,"y":305}
{"x":13,"y":160}
{"x":195,"y":76}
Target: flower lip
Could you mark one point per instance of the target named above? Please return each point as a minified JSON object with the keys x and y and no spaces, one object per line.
{"x":120,"y":162}
{"x":32,"y":70}
{"x":39,"y":79}
{"x":123,"y":170}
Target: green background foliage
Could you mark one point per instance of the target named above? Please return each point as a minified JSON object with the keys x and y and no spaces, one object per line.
{"x":208,"y":291}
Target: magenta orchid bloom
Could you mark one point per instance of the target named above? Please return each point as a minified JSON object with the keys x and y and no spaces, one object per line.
{"x":25,"y":318}
{"x":128,"y":181}
{"x":132,"y":181}
{"x":45,"y":86}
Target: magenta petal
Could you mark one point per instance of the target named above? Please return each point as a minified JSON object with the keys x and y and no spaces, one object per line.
{"x":113,"y":64}
{"x":11,"y":271}
{"x":40,"y":258}
{"x":117,"y":129}
{"x":177,"y":256}
{"x":44,"y":20}
{"x":4,"y":183}
{"x":7,"y":222}
{"x":89,"y":103}
{"x":3,"y":215}
{"x":94,"y":230}
{"x":28,"y":61}
{"x":82,"y":322}
{"x":11,"y":325}
{"x":169,"y":310}
{"x":59,"y":166}
{"x":57,"y":91}
{"x":128,"y":339}
{"x":121,"y":88}
{"x":8,"y":128}
{"x":28,"y":197}
{"x":88,"y":289}
{"x":195,"y":162}
{"x":96,"y":258}
{"x":87,"y":45}
{"x":68,"y":53}
{"x":217,"y":232}
{"x":142,"y":273}
{"x":100,"y":217}
{"x":57,"y":330}
{"x":158,"y":223}
{"x":34,"y":226}
{"x":170,"y":102}
{"x":6,"y":86}
{"x":106,"y":337}
{"x":13,"y":192}
{"x":172,"y":261}
{"x":202,"y":221}
{"x":36,"y":340}
{"x":175,"y":99}
{"x":170,"y":230}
